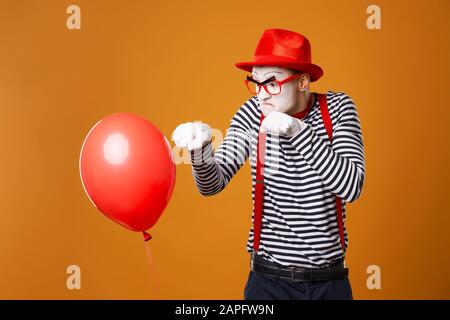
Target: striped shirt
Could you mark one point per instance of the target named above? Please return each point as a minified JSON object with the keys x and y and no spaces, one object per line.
{"x":302,"y":175}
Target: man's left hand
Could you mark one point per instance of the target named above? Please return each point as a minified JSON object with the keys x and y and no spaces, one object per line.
{"x":280,"y":123}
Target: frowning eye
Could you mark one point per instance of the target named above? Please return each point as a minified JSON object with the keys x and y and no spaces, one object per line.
{"x":273,"y":87}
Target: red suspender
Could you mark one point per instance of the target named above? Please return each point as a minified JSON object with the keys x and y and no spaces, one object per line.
{"x":259,"y":183}
{"x":329,"y":127}
{"x":259,"y":186}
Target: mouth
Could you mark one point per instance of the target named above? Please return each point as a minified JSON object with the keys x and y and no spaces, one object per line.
{"x":268,"y":105}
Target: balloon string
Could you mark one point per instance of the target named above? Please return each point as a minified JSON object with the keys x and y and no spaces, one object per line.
{"x":152,"y":266}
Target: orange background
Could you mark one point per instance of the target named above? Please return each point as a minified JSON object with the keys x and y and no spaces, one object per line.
{"x":172,"y":62}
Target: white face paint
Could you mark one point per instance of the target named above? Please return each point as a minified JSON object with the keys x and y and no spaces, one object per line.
{"x":283,"y":102}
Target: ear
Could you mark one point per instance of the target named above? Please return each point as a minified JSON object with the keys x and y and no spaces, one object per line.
{"x":304,"y":82}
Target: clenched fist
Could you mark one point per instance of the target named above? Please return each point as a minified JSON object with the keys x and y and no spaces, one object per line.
{"x":280,"y":123}
{"x":192,"y":135}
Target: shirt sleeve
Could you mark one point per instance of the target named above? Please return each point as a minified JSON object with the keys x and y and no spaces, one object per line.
{"x":213,"y":170}
{"x":341,"y":166}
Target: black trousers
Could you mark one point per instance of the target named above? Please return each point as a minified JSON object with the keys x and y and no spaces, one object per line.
{"x":263,"y":287}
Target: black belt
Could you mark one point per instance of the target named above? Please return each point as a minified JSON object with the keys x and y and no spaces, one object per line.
{"x":295,"y":274}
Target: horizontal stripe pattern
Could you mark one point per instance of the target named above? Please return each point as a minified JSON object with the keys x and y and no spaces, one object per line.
{"x":302,"y":174}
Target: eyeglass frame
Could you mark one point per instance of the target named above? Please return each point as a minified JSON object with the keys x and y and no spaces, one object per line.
{"x":271,"y":79}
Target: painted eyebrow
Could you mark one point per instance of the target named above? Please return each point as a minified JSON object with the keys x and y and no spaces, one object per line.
{"x":270,"y":79}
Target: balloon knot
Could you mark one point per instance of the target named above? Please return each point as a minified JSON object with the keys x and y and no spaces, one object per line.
{"x":147,"y":236}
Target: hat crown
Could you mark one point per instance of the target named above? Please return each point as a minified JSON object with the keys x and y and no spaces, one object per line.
{"x":284,"y":43}
{"x":283,"y":48}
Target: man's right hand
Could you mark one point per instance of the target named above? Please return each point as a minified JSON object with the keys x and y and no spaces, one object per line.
{"x":192,"y":135}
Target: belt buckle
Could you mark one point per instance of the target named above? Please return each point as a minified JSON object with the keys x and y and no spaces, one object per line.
{"x":306,"y":271}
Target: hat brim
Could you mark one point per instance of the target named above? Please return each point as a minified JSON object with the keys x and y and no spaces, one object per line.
{"x":314,"y":71}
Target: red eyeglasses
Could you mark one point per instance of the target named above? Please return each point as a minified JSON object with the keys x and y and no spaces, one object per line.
{"x":271,"y":85}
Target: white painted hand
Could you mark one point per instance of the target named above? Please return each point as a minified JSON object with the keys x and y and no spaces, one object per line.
{"x":280,"y":123}
{"x":192,"y":135}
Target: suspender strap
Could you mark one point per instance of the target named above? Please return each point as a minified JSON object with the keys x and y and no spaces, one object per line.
{"x":259,"y":187}
{"x":329,"y":127}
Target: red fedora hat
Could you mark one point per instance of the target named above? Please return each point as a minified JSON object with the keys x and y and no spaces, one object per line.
{"x":283,"y":48}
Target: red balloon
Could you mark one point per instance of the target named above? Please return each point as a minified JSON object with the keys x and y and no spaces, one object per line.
{"x":127,"y":170}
